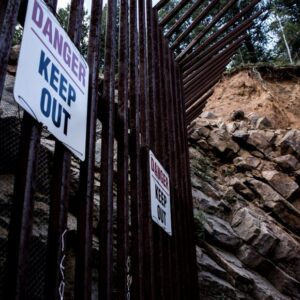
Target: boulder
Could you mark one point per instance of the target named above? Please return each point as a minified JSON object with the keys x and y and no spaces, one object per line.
{"x":250,"y":257}
{"x":240,"y":136}
{"x":221,"y":140}
{"x":263,"y":123}
{"x":231,"y":127}
{"x":288,"y":163}
{"x":272,"y":200}
{"x":266,"y":241}
{"x":290,"y":143}
{"x":281,"y":182}
{"x":8,"y":105}
{"x":246,"y":163}
{"x":204,"y":202}
{"x":205,"y":263}
{"x":202,"y":144}
{"x":205,"y":188}
{"x":253,"y":284}
{"x":253,"y":118}
{"x":202,"y":123}
{"x":259,"y":140}
{"x":211,"y":287}
{"x":284,"y":283}
{"x":245,"y":224}
{"x":220,"y":232}
{"x":208,"y":115}
{"x":242,"y":189}
{"x":14,"y":54}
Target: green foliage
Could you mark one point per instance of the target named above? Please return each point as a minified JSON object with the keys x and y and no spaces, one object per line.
{"x":202,"y":167}
{"x":63,"y":18}
{"x":288,"y":13}
{"x":265,"y":41}
{"x":17,"y":35}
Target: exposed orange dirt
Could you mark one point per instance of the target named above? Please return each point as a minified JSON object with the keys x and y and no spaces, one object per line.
{"x":274,"y":93}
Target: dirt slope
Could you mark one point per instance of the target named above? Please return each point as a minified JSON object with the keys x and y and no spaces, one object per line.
{"x":274,"y":93}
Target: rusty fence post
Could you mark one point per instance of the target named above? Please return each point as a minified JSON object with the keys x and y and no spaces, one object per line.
{"x":83,"y":273}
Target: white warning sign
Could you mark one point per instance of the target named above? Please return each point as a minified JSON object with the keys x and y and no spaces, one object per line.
{"x":160,"y":194}
{"x":52,"y":78}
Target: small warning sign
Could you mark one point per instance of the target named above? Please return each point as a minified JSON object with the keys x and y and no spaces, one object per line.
{"x":160,"y":194}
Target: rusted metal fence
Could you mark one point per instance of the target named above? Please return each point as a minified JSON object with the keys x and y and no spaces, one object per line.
{"x":158,"y":94}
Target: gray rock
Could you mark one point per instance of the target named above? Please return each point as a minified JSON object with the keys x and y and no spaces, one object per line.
{"x":263,"y":123}
{"x":8,"y":105}
{"x":242,"y":189}
{"x":266,"y":241}
{"x":194,"y":136}
{"x":231,"y":127}
{"x":249,"y":282}
{"x":208,"y":115}
{"x":253,"y":117}
{"x":250,"y":257}
{"x":245,"y":224}
{"x":284,"y":283}
{"x":288,"y":163}
{"x":246,"y":163}
{"x":203,"y":131}
{"x":285,"y":211}
{"x":204,"y":202}
{"x":258,"y":140}
{"x":14,"y":54}
{"x":281,"y":182}
{"x":212,"y":287}
{"x":202,"y":144}
{"x":240,"y":135}
{"x":220,"y":232}
{"x":207,"y":264}
{"x":221,"y":140}
{"x":257,"y":154}
{"x":205,"y":188}
{"x":290,"y":143}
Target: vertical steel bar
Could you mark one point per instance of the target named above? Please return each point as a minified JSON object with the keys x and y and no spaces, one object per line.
{"x":181,"y":197}
{"x":143,"y":73}
{"x":149,"y":261}
{"x":169,"y":258}
{"x":135,"y":158}
{"x":83,"y":272}
{"x":107,"y":154}
{"x":161,"y":155}
{"x":151,"y":72}
{"x":60,"y":185}
{"x":188,"y":193}
{"x":163,"y":238}
{"x":174,"y":174}
{"x":8,"y":21}
{"x":122,"y":163}
{"x":22,"y":211}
